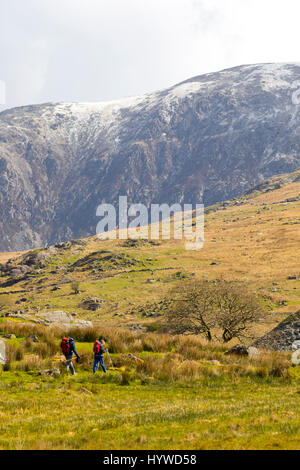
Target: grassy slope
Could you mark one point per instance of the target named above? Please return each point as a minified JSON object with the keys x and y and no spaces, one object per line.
{"x":257,"y":241}
{"x":224,"y":410}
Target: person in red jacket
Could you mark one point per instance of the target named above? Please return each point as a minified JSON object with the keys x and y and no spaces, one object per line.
{"x":98,"y":355}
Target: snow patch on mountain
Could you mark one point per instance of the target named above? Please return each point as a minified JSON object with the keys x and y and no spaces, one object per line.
{"x":274,"y":76}
{"x":188,"y":88}
{"x":108,"y":108}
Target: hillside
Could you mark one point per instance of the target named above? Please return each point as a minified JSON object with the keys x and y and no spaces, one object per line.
{"x":201,"y":396}
{"x":209,"y":138}
{"x":254,"y":239}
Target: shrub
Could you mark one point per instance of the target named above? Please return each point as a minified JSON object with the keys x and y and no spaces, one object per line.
{"x":32,"y":362}
{"x":280,"y":370}
{"x":28,"y":344}
{"x":85,"y":335}
{"x":125,"y":378}
{"x":86,"y":361}
{"x":10,"y":353}
{"x":75,"y":287}
{"x":19,"y":353}
{"x":42,"y":350}
{"x":7,"y":366}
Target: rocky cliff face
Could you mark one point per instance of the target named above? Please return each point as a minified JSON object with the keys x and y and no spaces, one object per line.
{"x":209,"y":138}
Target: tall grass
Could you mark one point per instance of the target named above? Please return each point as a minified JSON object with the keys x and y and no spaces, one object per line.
{"x":170,"y":358}
{"x":29,"y":329}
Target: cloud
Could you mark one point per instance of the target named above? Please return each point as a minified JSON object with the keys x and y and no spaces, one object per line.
{"x":92,"y":50}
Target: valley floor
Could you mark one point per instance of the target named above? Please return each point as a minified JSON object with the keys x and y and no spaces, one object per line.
{"x":87,"y":412}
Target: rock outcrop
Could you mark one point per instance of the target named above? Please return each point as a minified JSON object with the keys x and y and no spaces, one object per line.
{"x":51,"y":318}
{"x":283,"y":336}
{"x":50,"y":372}
{"x":2,"y":351}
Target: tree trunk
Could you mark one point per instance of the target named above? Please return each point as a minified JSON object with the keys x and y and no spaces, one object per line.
{"x":226,"y":336}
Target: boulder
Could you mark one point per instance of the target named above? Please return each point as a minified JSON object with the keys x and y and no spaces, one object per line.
{"x":239,"y":350}
{"x":283,"y":336}
{"x":253,"y":352}
{"x":92,"y":304}
{"x":63,"y":245}
{"x":19,"y":271}
{"x":37,"y":259}
{"x":61,"y":319}
{"x":51,"y":318}
{"x":56,"y":316}
{"x":65,"y":280}
{"x":2,"y":351}
{"x":296,"y":345}
{"x":50,"y":372}
{"x":14,"y":315}
{"x":137,"y":328}
{"x":83,"y":323}
{"x":33,"y":338}
{"x":132,"y":357}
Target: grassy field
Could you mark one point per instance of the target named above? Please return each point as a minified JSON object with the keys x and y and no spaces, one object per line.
{"x":85,"y":413}
{"x":180,"y":393}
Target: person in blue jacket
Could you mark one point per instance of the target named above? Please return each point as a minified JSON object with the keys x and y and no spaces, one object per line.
{"x":98,"y":355}
{"x":68,"y":349}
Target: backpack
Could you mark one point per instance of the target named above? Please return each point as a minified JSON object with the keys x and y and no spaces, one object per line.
{"x":98,"y":348}
{"x":65,"y":346}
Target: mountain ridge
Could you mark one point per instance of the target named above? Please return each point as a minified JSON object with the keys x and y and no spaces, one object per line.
{"x":210,"y":138}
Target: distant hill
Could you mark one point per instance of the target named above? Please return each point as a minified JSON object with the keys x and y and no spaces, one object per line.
{"x":209,"y":138}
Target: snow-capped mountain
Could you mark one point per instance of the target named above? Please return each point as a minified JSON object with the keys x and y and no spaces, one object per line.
{"x":208,"y":138}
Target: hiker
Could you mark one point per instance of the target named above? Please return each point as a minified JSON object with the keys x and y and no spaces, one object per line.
{"x":68,"y":349}
{"x":98,"y":355}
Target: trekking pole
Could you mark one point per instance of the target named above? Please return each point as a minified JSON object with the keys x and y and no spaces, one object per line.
{"x":111,"y":362}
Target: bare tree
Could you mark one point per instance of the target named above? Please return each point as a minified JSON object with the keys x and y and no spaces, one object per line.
{"x":237,"y":308}
{"x":226,"y":307}
{"x":192,"y":310}
{"x":75,"y":287}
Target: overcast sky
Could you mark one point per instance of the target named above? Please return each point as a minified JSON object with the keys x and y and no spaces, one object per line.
{"x":97,"y":50}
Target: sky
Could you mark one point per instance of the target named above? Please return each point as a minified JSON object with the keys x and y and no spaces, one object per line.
{"x":100,"y":50}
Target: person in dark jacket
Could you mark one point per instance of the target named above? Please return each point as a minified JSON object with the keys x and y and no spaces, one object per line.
{"x":98,"y":355}
{"x":68,"y":349}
